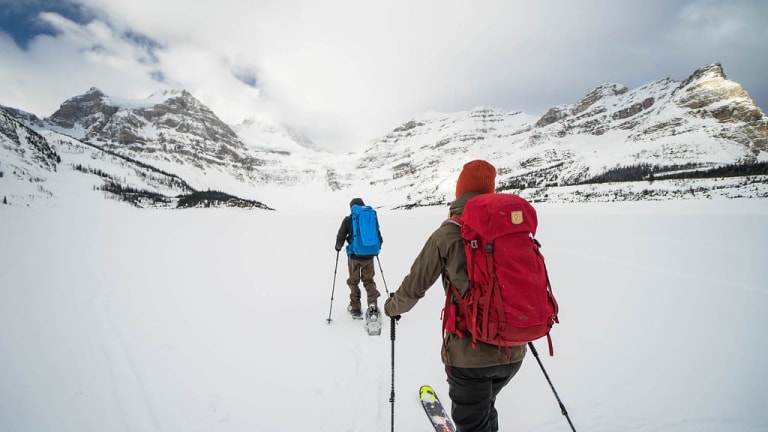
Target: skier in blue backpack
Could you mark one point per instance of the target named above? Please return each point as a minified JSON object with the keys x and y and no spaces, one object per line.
{"x":360,"y":254}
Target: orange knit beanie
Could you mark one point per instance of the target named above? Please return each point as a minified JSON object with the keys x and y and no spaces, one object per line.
{"x":476,"y":176}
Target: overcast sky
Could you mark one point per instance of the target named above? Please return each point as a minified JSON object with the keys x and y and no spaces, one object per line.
{"x":344,"y":72}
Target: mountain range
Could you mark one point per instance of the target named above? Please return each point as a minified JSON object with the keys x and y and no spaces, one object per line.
{"x":703,"y":136}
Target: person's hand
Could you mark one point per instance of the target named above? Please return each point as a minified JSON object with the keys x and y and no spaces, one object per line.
{"x":395,"y":317}
{"x":337,"y":249}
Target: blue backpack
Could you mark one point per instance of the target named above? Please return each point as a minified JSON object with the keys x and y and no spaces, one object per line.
{"x":364,"y":236}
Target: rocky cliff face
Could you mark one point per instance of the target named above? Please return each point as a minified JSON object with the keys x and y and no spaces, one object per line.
{"x":708,"y":94}
{"x":701,"y":123}
{"x":174,"y":123}
{"x":26,"y":158}
{"x":175,"y":132}
{"x":30,"y":149}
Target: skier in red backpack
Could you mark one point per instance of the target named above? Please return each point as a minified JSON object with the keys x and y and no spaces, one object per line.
{"x":476,"y":374}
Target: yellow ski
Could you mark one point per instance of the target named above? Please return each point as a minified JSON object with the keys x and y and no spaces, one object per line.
{"x":434,"y":409}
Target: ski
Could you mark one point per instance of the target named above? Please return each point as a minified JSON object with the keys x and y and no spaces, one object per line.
{"x":373,"y":321}
{"x":435,"y":411}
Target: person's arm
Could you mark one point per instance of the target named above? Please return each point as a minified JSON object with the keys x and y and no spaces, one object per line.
{"x":426,"y":269}
{"x":342,"y":235}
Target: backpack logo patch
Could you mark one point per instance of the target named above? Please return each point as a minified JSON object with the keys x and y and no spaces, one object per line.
{"x":517,"y":217}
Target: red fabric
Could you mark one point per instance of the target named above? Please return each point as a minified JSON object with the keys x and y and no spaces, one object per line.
{"x":509,"y":301}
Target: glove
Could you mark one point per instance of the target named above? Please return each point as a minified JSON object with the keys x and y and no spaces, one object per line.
{"x":395,"y":317}
{"x":337,"y":249}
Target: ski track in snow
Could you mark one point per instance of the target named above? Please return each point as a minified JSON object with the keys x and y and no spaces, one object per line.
{"x":215,"y":320}
{"x":129,"y":379}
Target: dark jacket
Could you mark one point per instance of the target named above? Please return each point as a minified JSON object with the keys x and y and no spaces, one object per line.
{"x":444,"y":250}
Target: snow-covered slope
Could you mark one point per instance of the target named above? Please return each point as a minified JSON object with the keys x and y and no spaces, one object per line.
{"x":113,"y":318}
{"x":175,"y":132}
{"x":662,"y":128}
{"x":703,"y":121}
{"x":27,"y":160}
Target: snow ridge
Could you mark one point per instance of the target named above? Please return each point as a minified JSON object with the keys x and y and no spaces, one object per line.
{"x":704,"y":122}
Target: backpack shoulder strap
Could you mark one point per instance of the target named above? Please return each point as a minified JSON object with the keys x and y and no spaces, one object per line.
{"x":447,"y":285}
{"x":456,"y":220}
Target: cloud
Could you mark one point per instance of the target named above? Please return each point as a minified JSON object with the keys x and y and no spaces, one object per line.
{"x":19,"y":17}
{"x":344,"y":71}
{"x":54,"y":67}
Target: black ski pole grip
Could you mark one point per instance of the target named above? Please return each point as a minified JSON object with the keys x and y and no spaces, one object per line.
{"x":392,"y":322}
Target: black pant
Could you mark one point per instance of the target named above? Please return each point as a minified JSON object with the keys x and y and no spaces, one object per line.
{"x":473,"y":395}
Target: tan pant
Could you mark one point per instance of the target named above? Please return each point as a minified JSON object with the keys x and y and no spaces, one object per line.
{"x":361,"y":270}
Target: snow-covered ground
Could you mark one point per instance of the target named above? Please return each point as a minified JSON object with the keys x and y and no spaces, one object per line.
{"x":120,"y":319}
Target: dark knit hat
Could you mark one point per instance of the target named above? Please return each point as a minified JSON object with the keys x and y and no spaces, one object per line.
{"x":358,"y":201}
{"x":476,"y":176}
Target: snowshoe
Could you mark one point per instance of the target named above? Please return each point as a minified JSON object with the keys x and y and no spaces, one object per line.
{"x":356,"y":313}
{"x":373,"y":320}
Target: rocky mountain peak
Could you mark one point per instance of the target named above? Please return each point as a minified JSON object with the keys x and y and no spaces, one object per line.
{"x":708,"y":85}
{"x":98,"y":117}
{"x":667,"y":126}
{"x":181,"y":111}
{"x":95,"y":91}
{"x":178,"y":101}
{"x":709,"y":94}
{"x":25,"y":117}
{"x":710,"y":72}
{"x":84,"y":110}
{"x":601,"y":92}
{"x":177,"y":97}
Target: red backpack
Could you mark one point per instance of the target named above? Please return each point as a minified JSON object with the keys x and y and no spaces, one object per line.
{"x":509,"y":301}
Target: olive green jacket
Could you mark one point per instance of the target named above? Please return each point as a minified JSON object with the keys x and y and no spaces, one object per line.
{"x":444,"y":250}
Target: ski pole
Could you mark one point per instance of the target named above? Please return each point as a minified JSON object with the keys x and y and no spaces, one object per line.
{"x":382,"y":275}
{"x":562,"y":407}
{"x":333,"y":288}
{"x":392,"y":393}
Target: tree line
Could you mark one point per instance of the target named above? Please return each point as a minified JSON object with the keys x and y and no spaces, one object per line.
{"x":651,"y":172}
